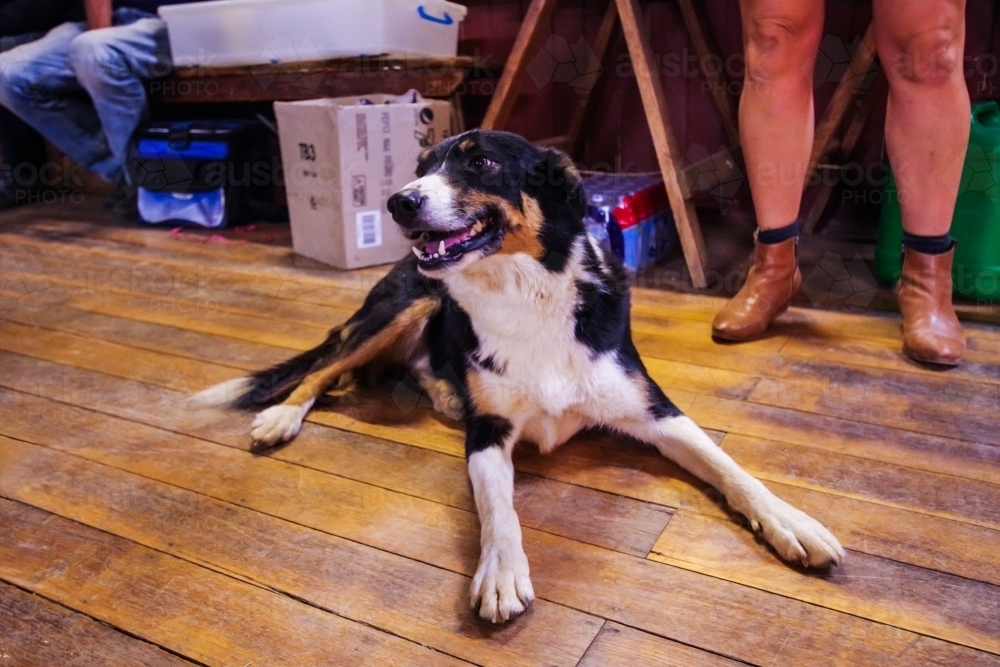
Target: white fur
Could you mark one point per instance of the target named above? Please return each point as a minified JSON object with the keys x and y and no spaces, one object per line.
{"x":501,"y":587}
{"x":439,"y":200}
{"x":550,"y":387}
{"x":794,"y":535}
{"x":223,"y":393}
{"x":278,"y":423}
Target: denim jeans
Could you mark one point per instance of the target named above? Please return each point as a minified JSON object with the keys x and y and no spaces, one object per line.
{"x":46,"y":83}
{"x":19,"y":144}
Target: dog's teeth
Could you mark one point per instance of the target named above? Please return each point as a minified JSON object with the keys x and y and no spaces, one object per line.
{"x":416,"y":252}
{"x":441,"y":248}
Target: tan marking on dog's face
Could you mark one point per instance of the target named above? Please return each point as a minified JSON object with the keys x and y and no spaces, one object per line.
{"x":523,"y":228}
{"x":467,"y":145}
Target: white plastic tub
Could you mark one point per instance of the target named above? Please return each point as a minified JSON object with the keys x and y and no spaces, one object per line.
{"x":250,"y":32}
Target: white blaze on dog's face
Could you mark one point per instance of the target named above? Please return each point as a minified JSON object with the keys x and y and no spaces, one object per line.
{"x":486,"y":193}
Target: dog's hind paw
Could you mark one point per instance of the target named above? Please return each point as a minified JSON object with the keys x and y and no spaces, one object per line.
{"x":796,"y":536}
{"x":277,"y":424}
{"x":446,"y":400}
{"x":502,"y":588}
{"x":449,"y":404}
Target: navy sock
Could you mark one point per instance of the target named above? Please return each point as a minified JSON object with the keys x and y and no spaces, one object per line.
{"x":928,"y":245}
{"x":778,"y":235}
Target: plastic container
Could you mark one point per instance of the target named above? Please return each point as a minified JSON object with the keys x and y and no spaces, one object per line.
{"x":202,"y":173}
{"x":976,"y":223}
{"x":250,"y":32}
{"x":630,"y":215}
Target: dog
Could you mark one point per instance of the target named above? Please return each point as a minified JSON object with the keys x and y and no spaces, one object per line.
{"x":514,"y":319}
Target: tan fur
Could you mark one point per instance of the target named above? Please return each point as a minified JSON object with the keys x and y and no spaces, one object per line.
{"x":477,"y":393}
{"x":567,"y":164}
{"x":407,"y":325}
{"x":523,"y":228}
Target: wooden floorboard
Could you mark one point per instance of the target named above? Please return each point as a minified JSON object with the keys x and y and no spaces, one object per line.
{"x":186,"y":608}
{"x":35,"y":631}
{"x":134,"y":525}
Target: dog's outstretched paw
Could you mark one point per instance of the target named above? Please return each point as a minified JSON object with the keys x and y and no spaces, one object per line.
{"x":502,"y":588}
{"x":277,"y":424}
{"x":796,"y":536}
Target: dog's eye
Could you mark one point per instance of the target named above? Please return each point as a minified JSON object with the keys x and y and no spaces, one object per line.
{"x":481,"y":162}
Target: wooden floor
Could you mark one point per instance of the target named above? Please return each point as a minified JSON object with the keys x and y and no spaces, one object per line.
{"x":135,"y":531}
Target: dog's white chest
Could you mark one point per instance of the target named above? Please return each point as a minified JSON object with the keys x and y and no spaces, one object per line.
{"x":542,"y":377}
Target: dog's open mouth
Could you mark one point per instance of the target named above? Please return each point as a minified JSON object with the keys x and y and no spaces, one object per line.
{"x":435,"y":249}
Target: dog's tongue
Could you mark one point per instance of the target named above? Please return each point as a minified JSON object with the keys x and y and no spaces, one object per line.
{"x":434,"y":246}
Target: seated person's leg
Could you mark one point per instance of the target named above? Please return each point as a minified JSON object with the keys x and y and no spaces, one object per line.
{"x":111,"y":65}
{"x":38,"y":86}
{"x":22,"y":154}
{"x":22,"y":150}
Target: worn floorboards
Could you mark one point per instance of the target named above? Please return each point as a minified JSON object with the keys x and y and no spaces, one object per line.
{"x":136,"y":531}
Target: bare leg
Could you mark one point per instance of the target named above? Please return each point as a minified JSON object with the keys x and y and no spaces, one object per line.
{"x":780,"y":38}
{"x":920,"y":44}
{"x":501,"y":587}
{"x":794,"y":535}
{"x":776,"y":128}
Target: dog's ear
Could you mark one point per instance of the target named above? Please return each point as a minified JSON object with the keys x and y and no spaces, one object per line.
{"x":560,"y":181}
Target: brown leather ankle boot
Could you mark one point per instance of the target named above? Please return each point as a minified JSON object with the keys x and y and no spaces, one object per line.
{"x":773,"y":280}
{"x":931,"y":332}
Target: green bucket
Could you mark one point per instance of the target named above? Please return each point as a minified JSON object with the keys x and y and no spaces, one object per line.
{"x":976,"y":223}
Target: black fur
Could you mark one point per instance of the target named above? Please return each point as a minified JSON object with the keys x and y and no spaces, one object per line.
{"x":602,"y":316}
{"x":273,"y":385}
{"x":544,"y":174}
{"x":390,"y":296}
{"x":485,"y":431}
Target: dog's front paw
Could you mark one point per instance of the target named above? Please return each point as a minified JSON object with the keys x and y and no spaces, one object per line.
{"x":501,"y":588}
{"x":796,"y":536}
{"x":277,"y":424}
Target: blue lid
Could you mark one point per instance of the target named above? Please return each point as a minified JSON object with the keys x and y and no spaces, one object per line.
{"x":196,"y":150}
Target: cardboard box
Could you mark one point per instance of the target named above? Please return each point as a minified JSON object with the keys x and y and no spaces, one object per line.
{"x":343,"y":158}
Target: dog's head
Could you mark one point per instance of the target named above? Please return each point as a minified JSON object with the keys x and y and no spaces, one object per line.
{"x":487,"y":193}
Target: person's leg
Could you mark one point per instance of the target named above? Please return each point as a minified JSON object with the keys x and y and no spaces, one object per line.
{"x":22,"y":150}
{"x":780,"y":40}
{"x":38,"y":87}
{"x":111,"y":65}
{"x":920,"y":45}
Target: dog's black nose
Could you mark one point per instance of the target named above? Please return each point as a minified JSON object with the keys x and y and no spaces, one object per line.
{"x":405,"y":205}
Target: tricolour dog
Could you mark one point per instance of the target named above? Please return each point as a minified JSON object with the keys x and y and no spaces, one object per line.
{"x":514,"y":319}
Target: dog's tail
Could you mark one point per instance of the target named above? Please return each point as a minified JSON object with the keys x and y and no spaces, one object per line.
{"x":387,"y":330}
{"x":392,"y":315}
{"x":273,"y":384}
